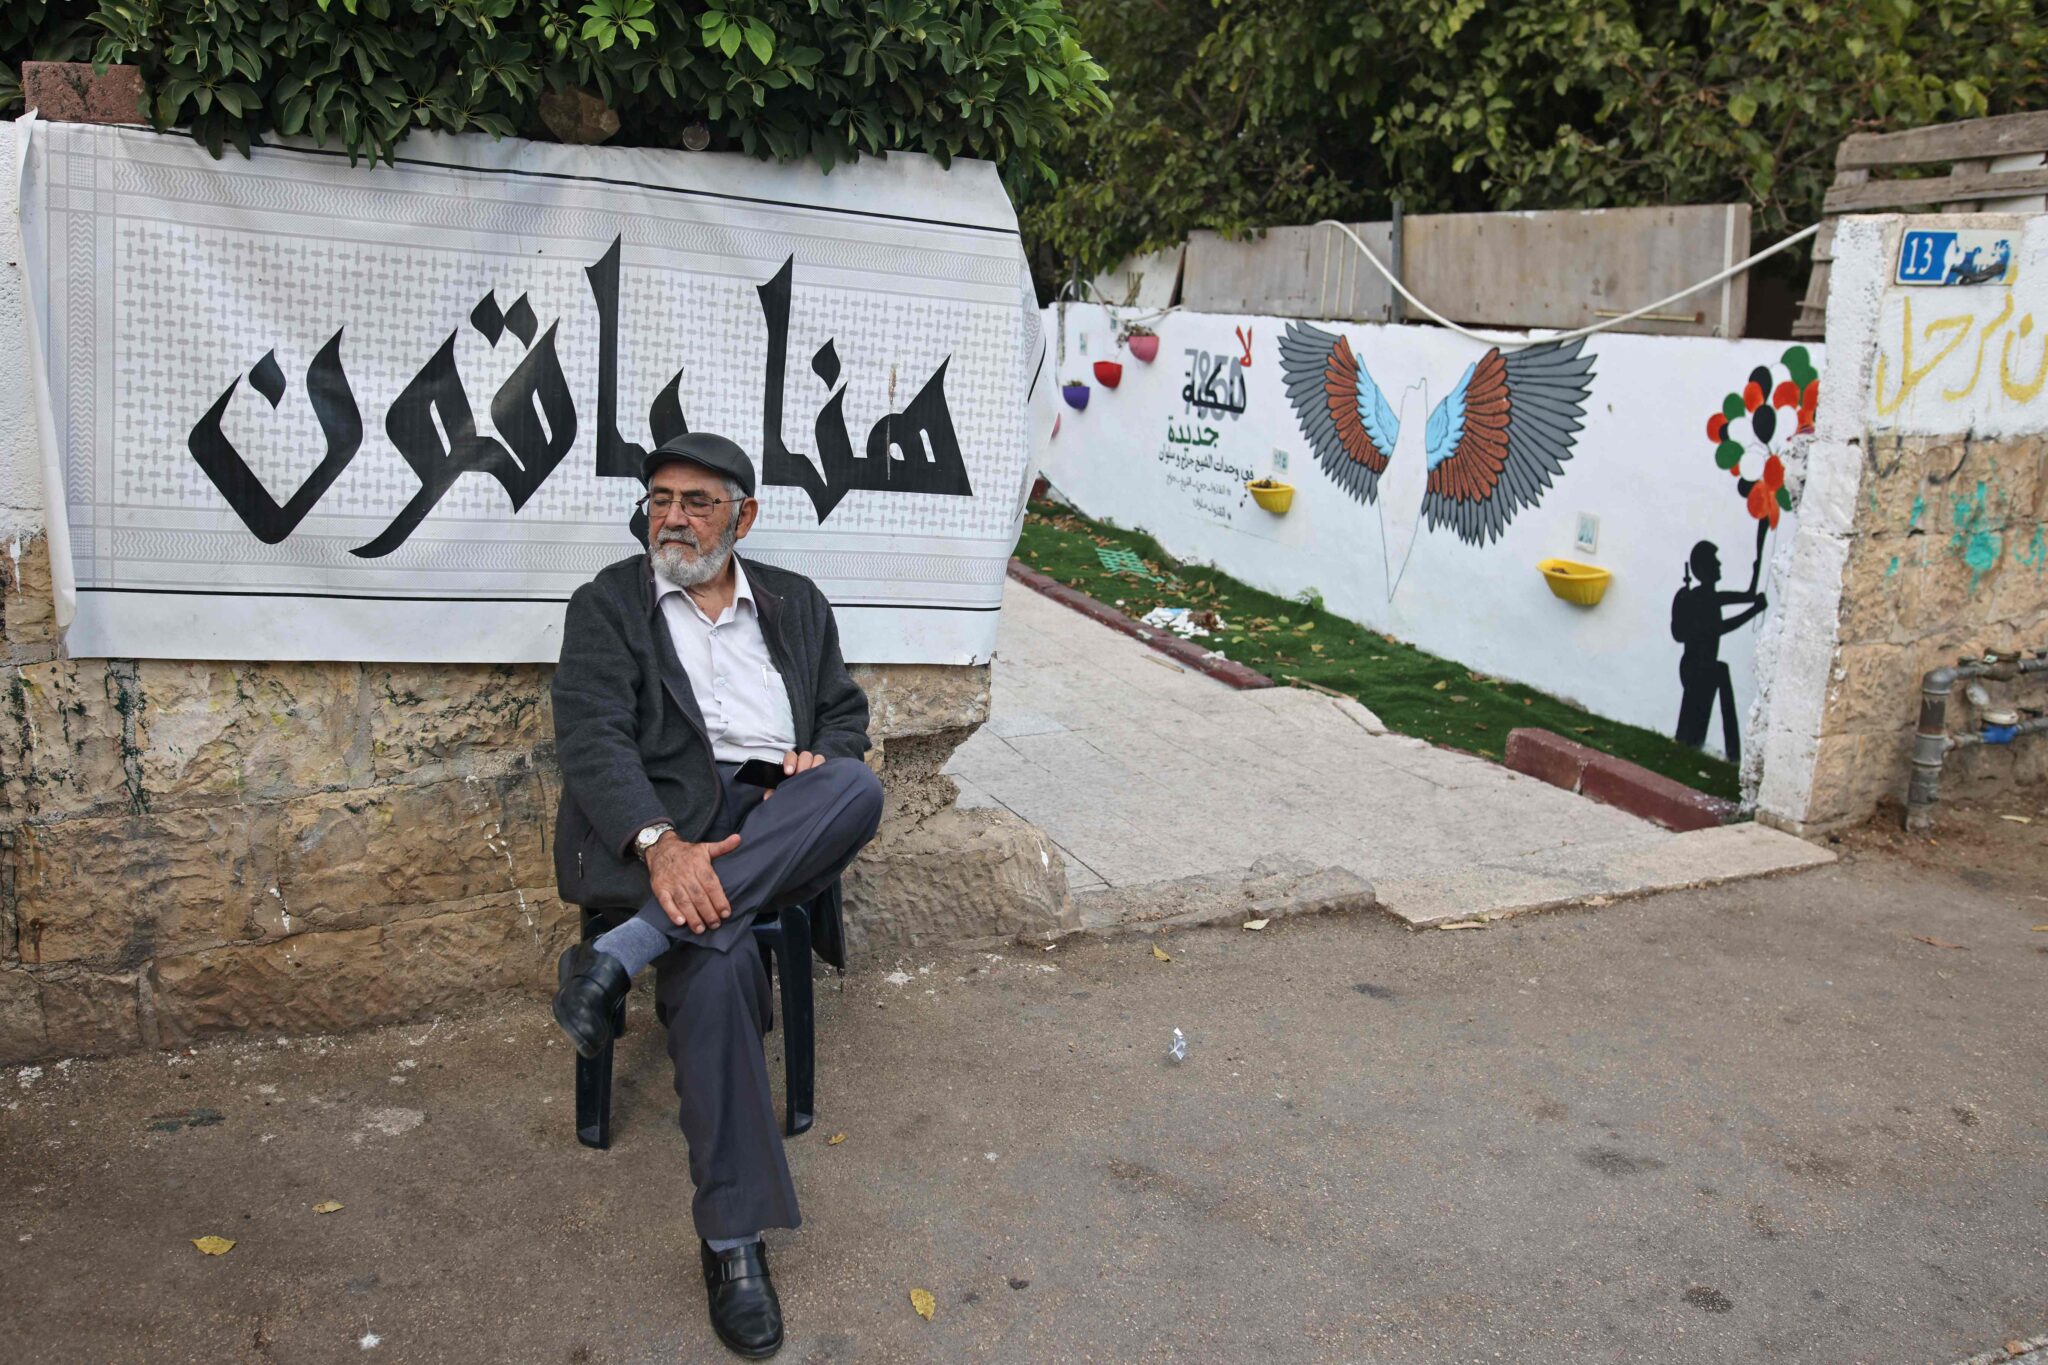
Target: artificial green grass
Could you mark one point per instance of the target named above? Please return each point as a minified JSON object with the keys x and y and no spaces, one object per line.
{"x":1291,"y":641}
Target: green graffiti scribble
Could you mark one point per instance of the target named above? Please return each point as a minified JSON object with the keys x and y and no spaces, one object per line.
{"x":2036,"y":556}
{"x":1977,"y":539}
{"x":1892,"y":567}
{"x":1919,"y":511}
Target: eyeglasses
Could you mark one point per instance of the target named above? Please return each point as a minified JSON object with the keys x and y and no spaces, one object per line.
{"x":695,"y":506}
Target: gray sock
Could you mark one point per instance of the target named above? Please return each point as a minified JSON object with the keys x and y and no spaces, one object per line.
{"x":635,"y":943}
{"x":730,"y":1243}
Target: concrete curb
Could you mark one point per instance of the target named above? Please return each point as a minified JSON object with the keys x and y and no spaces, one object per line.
{"x":1273,"y":889}
{"x":1614,"y":781}
{"x":1184,"y":652}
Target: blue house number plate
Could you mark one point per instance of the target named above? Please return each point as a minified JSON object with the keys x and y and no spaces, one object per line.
{"x":1950,"y":256}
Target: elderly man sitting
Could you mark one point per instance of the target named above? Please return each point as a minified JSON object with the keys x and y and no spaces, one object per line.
{"x":678,"y":666}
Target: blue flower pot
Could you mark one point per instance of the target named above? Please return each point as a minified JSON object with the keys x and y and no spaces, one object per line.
{"x":1076,"y":396}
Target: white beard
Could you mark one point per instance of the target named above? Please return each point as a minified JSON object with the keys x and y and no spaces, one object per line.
{"x":673,"y":567}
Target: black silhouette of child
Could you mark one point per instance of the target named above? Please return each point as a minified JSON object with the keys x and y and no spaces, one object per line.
{"x":1697,"y":624}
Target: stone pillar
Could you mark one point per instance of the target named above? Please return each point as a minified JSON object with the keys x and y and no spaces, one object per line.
{"x":1923,"y":529}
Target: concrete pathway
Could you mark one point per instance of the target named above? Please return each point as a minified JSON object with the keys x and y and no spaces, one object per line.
{"x":1150,"y":776}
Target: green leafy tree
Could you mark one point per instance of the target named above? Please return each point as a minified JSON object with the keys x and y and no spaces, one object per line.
{"x":1238,"y":114}
{"x":826,"y":80}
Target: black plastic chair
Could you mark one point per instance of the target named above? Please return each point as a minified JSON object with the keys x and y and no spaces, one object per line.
{"x":785,"y":944}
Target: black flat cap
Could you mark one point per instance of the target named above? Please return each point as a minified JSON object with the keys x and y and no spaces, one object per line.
{"x":714,"y":453}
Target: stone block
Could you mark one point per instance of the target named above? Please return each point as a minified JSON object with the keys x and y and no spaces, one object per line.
{"x":923,"y":699}
{"x":66,"y":740}
{"x":72,"y":92}
{"x":218,"y":731}
{"x":348,"y":859}
{"x":961,"y":875}
{"x":1548,"y":757}
{"x":1874,"y":688}
{"x":87,"y":1014}
{"x":28,"y":614}
{"x":350,"y":978}
{"x":21,"y":1018}
{"x":427,"y":722}
{"x":578,"y":117}
{"x":1652,"y":796}
{"x":119,"y":890}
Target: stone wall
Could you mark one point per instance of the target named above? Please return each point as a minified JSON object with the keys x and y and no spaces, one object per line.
{"x":1924,"y":529}
{"x":193,"y":848}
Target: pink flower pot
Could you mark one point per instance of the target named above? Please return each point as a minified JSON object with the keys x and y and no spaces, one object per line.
{"x":1145,"y":348}
{"x":1108,"y":373}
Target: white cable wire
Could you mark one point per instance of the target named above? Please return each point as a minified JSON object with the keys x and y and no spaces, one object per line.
{"x":1600,"y":326}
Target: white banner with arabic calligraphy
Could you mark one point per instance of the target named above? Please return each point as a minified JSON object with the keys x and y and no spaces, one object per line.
{"x":298,"y":409}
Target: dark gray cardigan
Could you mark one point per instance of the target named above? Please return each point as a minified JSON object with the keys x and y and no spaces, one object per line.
{"x":631,"y":740}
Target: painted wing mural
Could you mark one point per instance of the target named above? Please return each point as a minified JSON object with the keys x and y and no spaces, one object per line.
{"x":1341,"y":410}
{"x":1496,"y":441}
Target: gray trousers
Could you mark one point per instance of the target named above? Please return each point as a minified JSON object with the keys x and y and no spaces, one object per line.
{"x":715,"y":989}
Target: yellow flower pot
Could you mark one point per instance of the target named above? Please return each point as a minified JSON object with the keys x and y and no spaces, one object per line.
{"x":1271,"y":494}
{"x":1574,"y":582}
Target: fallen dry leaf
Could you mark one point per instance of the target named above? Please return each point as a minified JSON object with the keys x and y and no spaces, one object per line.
{"x":331,"y":1206}
{"x":1160,"y":953}
{"x":1938,"y":943}
{"x":1257,"y":923}
{"x":924,"y":1303}
{"x":2017,"y":819}
{"x":213,"y":1246}
{"x":835,"y":1139}
{"x":1442,"y":686}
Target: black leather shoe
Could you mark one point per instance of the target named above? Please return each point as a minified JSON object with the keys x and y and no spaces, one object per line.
{"x":744,"y":1310}
{"x":593,"y":985}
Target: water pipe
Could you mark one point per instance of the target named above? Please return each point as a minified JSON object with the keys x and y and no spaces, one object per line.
{"x":1932,"y":742}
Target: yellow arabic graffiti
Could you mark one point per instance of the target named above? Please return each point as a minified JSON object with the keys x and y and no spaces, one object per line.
{"x":1954,"y":330}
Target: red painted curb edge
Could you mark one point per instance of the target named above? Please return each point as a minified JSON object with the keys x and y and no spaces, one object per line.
{"x":1184,"y":652}
{"x":1614,"y":781}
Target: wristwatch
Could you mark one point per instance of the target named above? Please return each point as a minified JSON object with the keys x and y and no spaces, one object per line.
{"x":649,"y":837}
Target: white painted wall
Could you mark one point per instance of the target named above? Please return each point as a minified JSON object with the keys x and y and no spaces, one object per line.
{"x":21,"y":479}
{"x":1642,"y":465}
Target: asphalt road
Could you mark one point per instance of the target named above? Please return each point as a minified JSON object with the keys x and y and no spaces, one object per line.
{"x":1760,"y":1122}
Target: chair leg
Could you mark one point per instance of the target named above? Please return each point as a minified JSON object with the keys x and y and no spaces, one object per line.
{"x":594,"y":1099}
{"x":594,"y":1074}
{"x":799,"y":1060}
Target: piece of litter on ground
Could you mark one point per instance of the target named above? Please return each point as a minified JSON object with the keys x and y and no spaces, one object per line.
{"x":1465,"y":924}
{"x":1160,"y":953}
{"x":2017,"y":819}
{"x":835,"y":1139}
{"x":898,"y":978}
{"x":1937,"y":942}
{"x":2041,"y":929}
{"x":1257,"y":923}
{"x":214,"y":1246}
{"x":328,"y":1206}
{"x":988,"y":1156}
{"x":1179,"y":1050}
{"x":369,"y":1341}
{"x":924,"y":1303}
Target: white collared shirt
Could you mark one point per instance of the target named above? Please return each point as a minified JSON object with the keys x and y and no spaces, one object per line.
{"x":745,"y":706}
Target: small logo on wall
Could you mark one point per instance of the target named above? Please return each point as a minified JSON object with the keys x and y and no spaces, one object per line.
{"x":1215,"y":384}
{"x":1941,"y":256}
